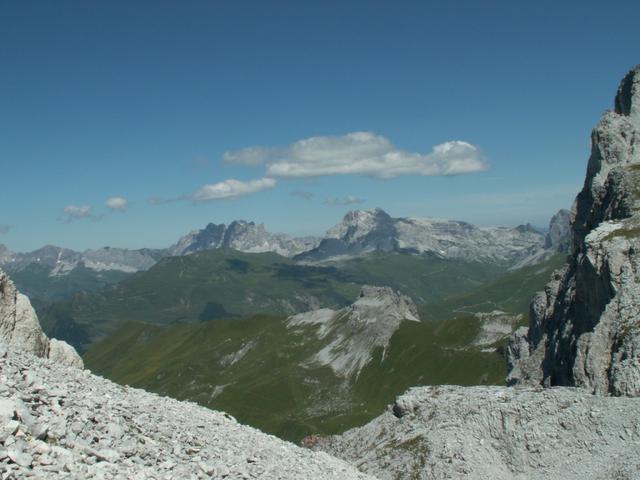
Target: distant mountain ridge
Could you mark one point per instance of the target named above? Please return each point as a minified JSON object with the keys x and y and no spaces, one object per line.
{"x":63,"y":260}
{"x":243,"y":236}
{"x":53,"y":273}
{"x":365,"y":231}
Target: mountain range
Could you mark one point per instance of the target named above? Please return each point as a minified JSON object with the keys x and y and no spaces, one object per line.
{"x":54,"y":273}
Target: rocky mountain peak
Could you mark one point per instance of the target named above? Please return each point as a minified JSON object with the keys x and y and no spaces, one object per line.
{"x":360,"y":223}
{"x":353,"y":333}
{"x":243,"y":236}
{"x":627,"y":100}
{"x":365,"y":231}
{"x":584,"y":328}
{"x":376,"y":303}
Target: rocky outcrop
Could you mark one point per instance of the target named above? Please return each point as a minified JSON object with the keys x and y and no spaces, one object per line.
{"x":244,"y":237}
{"x":585,"y":327}
{"x":559,"y":237}
{"x":353,"y":333}
{"x":365,"y":231}
{"x":445,"y":432}
{"x":58,"y":422}
{"x":20,"y":329}
{"x":494,"y":326}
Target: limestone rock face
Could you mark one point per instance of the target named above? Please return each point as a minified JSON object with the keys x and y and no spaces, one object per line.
{"x":354,"y":332}
{"x":20,"y":329}
{"x":365,"y":231}
{"x":62,"y":352}
{"x":559,"y":237}
{"x":19,"y":326}
{"x":242,"y":236}
{"x":445,"y":432}
{"x":585,"y":327}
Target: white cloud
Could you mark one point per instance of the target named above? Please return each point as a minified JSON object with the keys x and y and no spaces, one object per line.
{"x":360,"y":153}
{"x":348,"y":200}
{"x":117,"y":204}
{"x":78,"y":212}
{"x":232,"y":189}
{"x":248,"y":156}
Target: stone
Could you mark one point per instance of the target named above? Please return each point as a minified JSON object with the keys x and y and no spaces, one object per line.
{"x":559,"y":238}
{"x":61,"y":352}
{"x":444,"y":432}
{"x":19,"y":457}
{"x":353,"y":333}
{"x":584,"y":329}
{"x":20,"y":328}
{"x":106,"y":431}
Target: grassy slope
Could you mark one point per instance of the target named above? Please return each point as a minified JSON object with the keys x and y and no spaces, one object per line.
{"x":511,"y":292}
{"x":268,"y":388}
{"x":227,"y":284}
{"x":35,"y":282}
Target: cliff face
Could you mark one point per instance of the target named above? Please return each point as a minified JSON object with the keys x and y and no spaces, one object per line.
{"x":584,"y":328}
{"x":20,"y":329}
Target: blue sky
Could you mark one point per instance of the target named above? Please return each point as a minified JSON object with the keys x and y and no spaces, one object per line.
{"x":153,"y":105}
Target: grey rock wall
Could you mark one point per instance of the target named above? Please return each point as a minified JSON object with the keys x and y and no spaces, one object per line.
{"x":446,"y":432}
{"x":20,"y":329}
{"x":585,"y":327}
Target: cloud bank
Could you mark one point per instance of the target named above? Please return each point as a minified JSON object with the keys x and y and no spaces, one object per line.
{"x":232,"y":188}
{"x":117,"y":204}
{"x":359,"y":153}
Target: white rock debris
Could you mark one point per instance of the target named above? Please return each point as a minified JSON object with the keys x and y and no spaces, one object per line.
{"x":509,"y":433}
{"x":356,"y":331}
{"x":58,"y":422}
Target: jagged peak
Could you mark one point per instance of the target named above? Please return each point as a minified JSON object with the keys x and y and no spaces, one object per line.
{"x":372,"y":212}
{"x":627,"y":100}
{"x":210,"y":226}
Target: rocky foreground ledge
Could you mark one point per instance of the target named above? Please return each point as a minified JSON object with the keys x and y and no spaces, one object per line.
{"x":446,"y":432}
{"x":62,"y":422}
